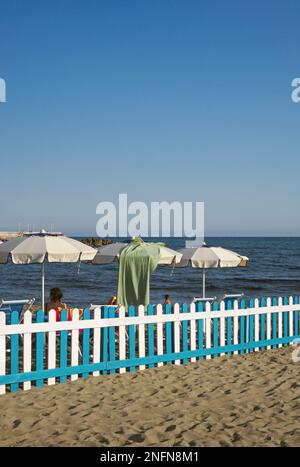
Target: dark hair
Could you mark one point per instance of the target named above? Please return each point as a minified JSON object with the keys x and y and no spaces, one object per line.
{"x":56,"y":294}
{"x":167,"y":297}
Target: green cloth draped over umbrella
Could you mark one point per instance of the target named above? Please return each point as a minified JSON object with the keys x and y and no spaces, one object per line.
{"x":137,"y":261}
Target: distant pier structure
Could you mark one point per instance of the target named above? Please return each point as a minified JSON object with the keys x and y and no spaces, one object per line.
{"x":4,"y":236}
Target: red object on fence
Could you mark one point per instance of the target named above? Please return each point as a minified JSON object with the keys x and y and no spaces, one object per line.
{"x":70,"y":314}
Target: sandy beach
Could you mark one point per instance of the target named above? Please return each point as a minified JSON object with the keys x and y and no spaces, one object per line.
{"x":246,"y":400}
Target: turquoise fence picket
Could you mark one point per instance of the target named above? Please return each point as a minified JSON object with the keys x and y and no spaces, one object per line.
{"x":150,"y":312}
{"x":285,"y":320}
{"x":185,"y":336}
{"x":251,"y":328}
{"x":86,"y":342}
{"x":274,"y":323}
{"x":40,"y":342}
{"x":229,"y":306}
{"x":63,"y":346}
{"x":215,"y":307}
{"x":200,"y":330}
{"x":14,"y":351}
{"x":296,"y":317}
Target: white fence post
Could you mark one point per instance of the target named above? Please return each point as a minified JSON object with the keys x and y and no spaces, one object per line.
{"x":27,"y":349}
{"x":269,"y":322}
{"x":177,"y":328}
{"x":279,"y":323}
{"x":97,"y":340}
{"x":122,"y":339}
{"x":222,"y":327}
{"x":141,"y":314}
{"x":75,"y":343}
{"x":51,"y":345}
{"x":208,"y":330}
{"x":235,"y":325}
{"x":160,"y":334}
{"x":193,"y":331}
{"x":256,"y":324}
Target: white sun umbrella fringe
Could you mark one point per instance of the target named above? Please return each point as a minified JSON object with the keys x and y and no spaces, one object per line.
{"x":37,"y":247}
{"x":211,"y":257}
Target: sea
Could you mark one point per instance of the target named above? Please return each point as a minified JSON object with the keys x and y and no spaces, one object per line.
{"x":273,"y":270}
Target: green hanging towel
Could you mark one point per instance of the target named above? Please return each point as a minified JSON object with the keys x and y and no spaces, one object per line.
{"x":137,"y":261}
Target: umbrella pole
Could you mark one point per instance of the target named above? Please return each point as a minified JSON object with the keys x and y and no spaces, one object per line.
{"x":43,"y":285}
{"x":203,"y":283}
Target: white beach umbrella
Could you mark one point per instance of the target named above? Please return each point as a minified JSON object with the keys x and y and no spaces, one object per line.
{"x":169,"y":256}
{"x":109,"y":253}
{"x":37,"y":247}
{"x":211,"y":257}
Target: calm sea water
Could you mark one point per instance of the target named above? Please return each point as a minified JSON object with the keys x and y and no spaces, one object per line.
{"x":274,"y":269}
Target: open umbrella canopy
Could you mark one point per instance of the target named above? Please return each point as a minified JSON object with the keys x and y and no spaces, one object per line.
{"x":37,"y":247}
{"x":211,"y":257}
{"x":109,"y":253}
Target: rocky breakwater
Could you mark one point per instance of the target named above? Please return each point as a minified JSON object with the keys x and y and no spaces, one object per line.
{"x":96,"y":242}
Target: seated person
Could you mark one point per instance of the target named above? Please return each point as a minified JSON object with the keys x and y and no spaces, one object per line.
{"x":167,"y":300}
{"x":55,"y":302}
{"x":113,"y":300}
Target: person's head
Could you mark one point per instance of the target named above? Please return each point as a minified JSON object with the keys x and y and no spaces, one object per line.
{"x":56,"y":294}
{"x":167,"y":298}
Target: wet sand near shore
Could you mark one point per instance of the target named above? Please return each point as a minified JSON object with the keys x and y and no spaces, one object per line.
{"x":245,"y":400}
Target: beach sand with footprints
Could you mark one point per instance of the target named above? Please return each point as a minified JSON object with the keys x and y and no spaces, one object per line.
{"x":245,"y":400}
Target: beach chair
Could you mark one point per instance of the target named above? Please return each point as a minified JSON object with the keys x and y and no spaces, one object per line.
{"x":231,"y":297}
{"x":8,"y":306}
{"x":204,"y":300}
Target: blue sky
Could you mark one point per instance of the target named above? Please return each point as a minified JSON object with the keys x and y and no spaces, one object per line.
{"x":163,"y":100}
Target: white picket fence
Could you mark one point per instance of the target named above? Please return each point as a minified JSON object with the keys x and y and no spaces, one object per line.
{"x":38,"y":352}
